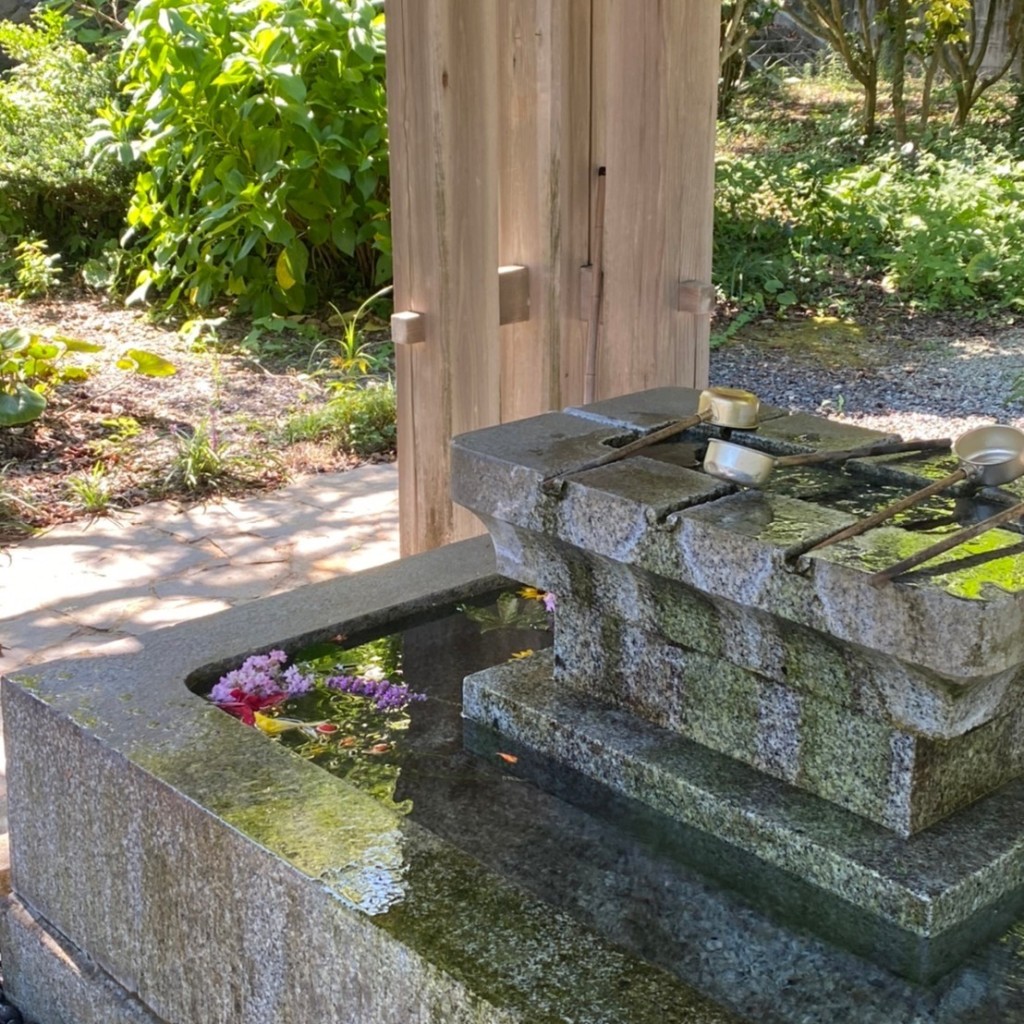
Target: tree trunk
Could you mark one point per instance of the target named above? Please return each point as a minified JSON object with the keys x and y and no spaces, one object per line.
{"x":899,"y":68}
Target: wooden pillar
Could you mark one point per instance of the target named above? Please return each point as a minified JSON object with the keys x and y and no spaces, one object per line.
{"x":544,"y":156}
{"x":442,"y":102}
{"x":654,"y":130}
{"x":500,"y":112}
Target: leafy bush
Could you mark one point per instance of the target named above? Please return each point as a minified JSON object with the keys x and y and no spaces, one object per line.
{"x":48,"y":190}
{"x":936,"y":228}
{"x":261,"y":128}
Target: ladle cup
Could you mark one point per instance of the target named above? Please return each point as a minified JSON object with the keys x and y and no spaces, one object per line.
{"x":724,"y":407}
{"x":751,"y":468}
{"x":988,"y":456}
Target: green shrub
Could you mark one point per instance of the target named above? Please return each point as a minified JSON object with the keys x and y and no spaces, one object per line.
{"x":261,"y":128}
{"x":940,"y":228}
{"x":357,"y":420}
{"x":48,"y":189}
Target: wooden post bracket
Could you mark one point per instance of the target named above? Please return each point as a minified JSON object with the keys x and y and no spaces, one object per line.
{"x":409,"y":327}
{"x":513,"y":294}
{"x":696,"y":297}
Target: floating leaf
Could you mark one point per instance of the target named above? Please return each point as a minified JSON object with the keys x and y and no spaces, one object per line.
{"x":508,"y":612}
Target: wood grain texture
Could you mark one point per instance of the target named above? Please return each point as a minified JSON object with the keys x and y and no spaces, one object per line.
{"x":500,"y":113}
{"x":442,"y":88}
{"x":656,"y":137}
{"x":537,"y":111}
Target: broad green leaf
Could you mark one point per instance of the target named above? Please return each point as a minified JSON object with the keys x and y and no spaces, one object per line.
{"x":149,"y":364}
{"x":79,"y":344}
{"x":15,"y":339}
{"x":283,"y":271}
{"x":23,"y":406}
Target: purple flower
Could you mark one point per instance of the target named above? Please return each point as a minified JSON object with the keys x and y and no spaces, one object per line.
{"x":386,"y":696}
{"x":549,"y":601}
{"x":296,"y":683}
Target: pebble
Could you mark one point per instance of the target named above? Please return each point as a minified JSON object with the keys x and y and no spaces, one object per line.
{"x":937,"y":389}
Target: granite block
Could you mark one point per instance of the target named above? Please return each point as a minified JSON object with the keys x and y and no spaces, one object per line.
{"x":907,"y":697}
{"x":966,"y":868}
{"x":899,"y":780}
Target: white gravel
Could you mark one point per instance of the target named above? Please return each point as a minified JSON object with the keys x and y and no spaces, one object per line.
{"x":937,"y":388}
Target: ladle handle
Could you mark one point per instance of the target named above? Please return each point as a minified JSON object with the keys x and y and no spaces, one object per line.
{"x":863,"y":525}
{"x":614,"y":454}
{"x":960,"y":537}
{"x":878,"y":448}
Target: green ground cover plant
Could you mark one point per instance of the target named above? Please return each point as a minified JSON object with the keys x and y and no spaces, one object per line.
{"x":808,"y":215}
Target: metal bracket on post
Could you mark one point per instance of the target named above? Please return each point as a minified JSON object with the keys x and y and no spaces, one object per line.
{"x":513,"y":294}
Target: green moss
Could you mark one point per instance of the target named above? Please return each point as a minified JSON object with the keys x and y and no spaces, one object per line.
{"x":824,"y":340}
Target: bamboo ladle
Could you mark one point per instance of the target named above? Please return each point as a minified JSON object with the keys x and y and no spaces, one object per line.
{"x":988,"y":455}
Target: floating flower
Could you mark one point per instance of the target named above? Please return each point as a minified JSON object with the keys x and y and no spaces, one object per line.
{"x":245,"y":705}
{"x":386,"y":695}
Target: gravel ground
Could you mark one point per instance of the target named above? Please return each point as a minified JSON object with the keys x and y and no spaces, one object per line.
{"x":938,"y":388}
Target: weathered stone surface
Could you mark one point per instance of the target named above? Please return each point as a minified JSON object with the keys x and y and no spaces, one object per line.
{"x":893,"y":777}
{"x":884,"y":688}
{"x":62,"y":985}
{"x":220,"y":878}
{"x":960,"y":876}
{"x":694,"y":607}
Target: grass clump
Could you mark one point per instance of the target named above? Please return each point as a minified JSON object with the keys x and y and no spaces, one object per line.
{"x":358,"y":420}
{"x":92,"y":489}
{"x":204,"y":463}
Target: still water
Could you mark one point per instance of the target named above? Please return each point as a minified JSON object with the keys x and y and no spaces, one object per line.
{"x":628,"y":873}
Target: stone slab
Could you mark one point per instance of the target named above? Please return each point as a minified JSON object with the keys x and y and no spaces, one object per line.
{"x":62,"y":985}
{"x":902,"y":781}
{"x":882,"y":688}
{"x":956,"y":884}
{"x":219,"y":878}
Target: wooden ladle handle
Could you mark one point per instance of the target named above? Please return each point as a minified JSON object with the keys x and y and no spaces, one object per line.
{"x":960,"y":537}
{"x":644,"y":441}
{"x":863,"y":452}
{"x":879,"y":517}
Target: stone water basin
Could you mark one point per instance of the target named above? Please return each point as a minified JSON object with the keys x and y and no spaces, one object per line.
{"x":170,"y":864}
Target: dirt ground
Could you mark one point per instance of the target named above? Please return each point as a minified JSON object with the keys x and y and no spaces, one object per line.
{"x":132,"y":426}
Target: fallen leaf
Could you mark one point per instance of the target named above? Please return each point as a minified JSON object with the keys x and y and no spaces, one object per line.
{"x":379,"y":748}
{"x":508,"y":758}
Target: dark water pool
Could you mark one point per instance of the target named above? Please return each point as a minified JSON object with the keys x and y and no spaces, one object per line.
{"x":627,"y":873}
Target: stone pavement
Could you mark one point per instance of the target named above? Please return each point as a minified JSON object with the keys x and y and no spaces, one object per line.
{"x":90,"y":584}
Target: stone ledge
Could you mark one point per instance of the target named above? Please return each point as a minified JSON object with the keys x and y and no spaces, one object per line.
{"x":942,"y":885}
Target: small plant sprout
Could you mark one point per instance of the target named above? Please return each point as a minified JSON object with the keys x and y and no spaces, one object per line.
{"x":91,"y":489}
{"x":356,"y":356}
